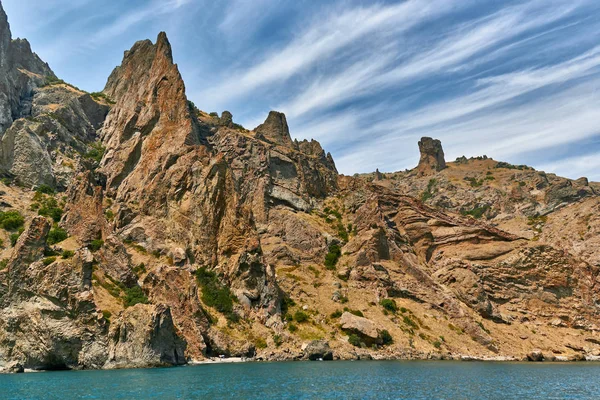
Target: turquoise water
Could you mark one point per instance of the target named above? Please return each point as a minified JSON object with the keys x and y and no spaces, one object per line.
{"x":317,"y":380}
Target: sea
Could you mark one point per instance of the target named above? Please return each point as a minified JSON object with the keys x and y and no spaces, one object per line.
{"x":317,"y":380}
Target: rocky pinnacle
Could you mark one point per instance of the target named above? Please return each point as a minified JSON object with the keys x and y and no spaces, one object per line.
{"x":432,"y":156}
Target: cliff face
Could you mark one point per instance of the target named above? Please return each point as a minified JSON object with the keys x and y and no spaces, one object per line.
{"x":163,"y":234}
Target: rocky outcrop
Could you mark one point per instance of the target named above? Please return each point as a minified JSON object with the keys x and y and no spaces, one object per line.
{"x":274,"y":130}
{"x":21,"y":71}
{"x":318,"y":350}
{"x":432,"y":156}
{"x":44,"y":123}
{"x":144,"y":336}
{"x":364,"y":328}
{"x":48,"y":316}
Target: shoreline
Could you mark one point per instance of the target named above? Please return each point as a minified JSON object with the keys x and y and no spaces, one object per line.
{"x":359,"y":357}
{"x":237,"y":360}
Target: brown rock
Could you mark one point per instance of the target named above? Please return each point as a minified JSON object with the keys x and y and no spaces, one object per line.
{"x":432,"y":156}
{"x":274,"y":130}
{"x":144,"y":336}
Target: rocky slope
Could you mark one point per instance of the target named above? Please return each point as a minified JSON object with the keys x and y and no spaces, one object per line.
{"x":140,"y":231}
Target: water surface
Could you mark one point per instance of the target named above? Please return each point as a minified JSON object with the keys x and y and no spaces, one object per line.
{"x":317,"y":380}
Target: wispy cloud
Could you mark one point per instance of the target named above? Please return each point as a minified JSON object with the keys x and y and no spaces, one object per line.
{"x":151,"y":10}
{"x":452,"y":51}
{"x":323,"y":38}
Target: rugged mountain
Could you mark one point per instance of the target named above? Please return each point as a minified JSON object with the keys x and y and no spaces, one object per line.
{"x":46,"y":126}
{"x":140,"y":231}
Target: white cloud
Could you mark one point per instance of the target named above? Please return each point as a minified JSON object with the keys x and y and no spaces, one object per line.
{"x":323,"y":38}
{"x":451,"y":52}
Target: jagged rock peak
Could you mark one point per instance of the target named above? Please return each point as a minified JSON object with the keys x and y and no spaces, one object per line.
{"x":142,"y":59}
{"x":226,"y":119}
{"x":274,"y":130}
{"x":432,"y":156}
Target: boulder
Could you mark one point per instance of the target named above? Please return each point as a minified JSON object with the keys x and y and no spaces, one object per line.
{"x":535,"y":355}
{"x":364,"y":328}
{"x":15,"y":368}
{"x":318,"y":349}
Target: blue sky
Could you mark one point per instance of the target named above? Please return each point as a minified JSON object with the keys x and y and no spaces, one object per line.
{"x":518,"y":81}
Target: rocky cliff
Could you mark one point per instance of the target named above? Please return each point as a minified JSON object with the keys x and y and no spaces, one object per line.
{"x":138,"y":230}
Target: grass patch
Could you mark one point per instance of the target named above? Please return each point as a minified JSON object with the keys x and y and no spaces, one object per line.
{"x":48,"y":260}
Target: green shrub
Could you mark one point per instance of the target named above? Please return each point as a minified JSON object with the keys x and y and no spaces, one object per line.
{"x":354,"y":340}
{"x":45,"y":189}
{"x":11,"y":220}
{"x":106,"y":315}
{"x":476,"y":212}
{"x":134,"y":295}
{"x":260,"y":343}
{"x":277,"y":339}
{"x":140,"y":269}
{"x":67,"y":254}
{"x":49,"y":208}
{"x":409,"y":322}
{"x":214,"y":114}
{"x":96,"y":152}
{"x":56,"y":235}
{"x":428,"y":193}
{"x":1,"y":243}
{"x":437,"y":344}
{"x":333,"y":256}
{"x":389,"y":304}
{"x":3,"y":263}
{"x":96,"y":244}
{"x":292,"y":328}
{"x":358,"y":313}
{"x":300,"y":316}
{"x":286,"y":303}
{"x":214,"y":294}
{"x":101,"y":96}
{"x":48,"y":260}
{"x":336,"y":314}
{"x":386,"y":338}
{"x":13,"y":238}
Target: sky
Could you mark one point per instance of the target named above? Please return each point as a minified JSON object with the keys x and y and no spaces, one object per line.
{"x":516,"y":80}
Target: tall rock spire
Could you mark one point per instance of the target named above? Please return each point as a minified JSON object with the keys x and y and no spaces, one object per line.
{"x":432,"y":156}
{"x":5,"y":36}
{"x":151,"y":121}
{"x":274,"y":130}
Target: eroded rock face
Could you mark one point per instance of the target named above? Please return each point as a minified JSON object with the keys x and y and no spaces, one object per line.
{"x":144,"y":336}
{"x":432,"y":156}
{"x":21,"y":71}
{"x":48,"y":315}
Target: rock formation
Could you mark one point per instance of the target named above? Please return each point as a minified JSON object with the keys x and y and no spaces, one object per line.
{"x":140,"y":231}
{"x":432,"y":156}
